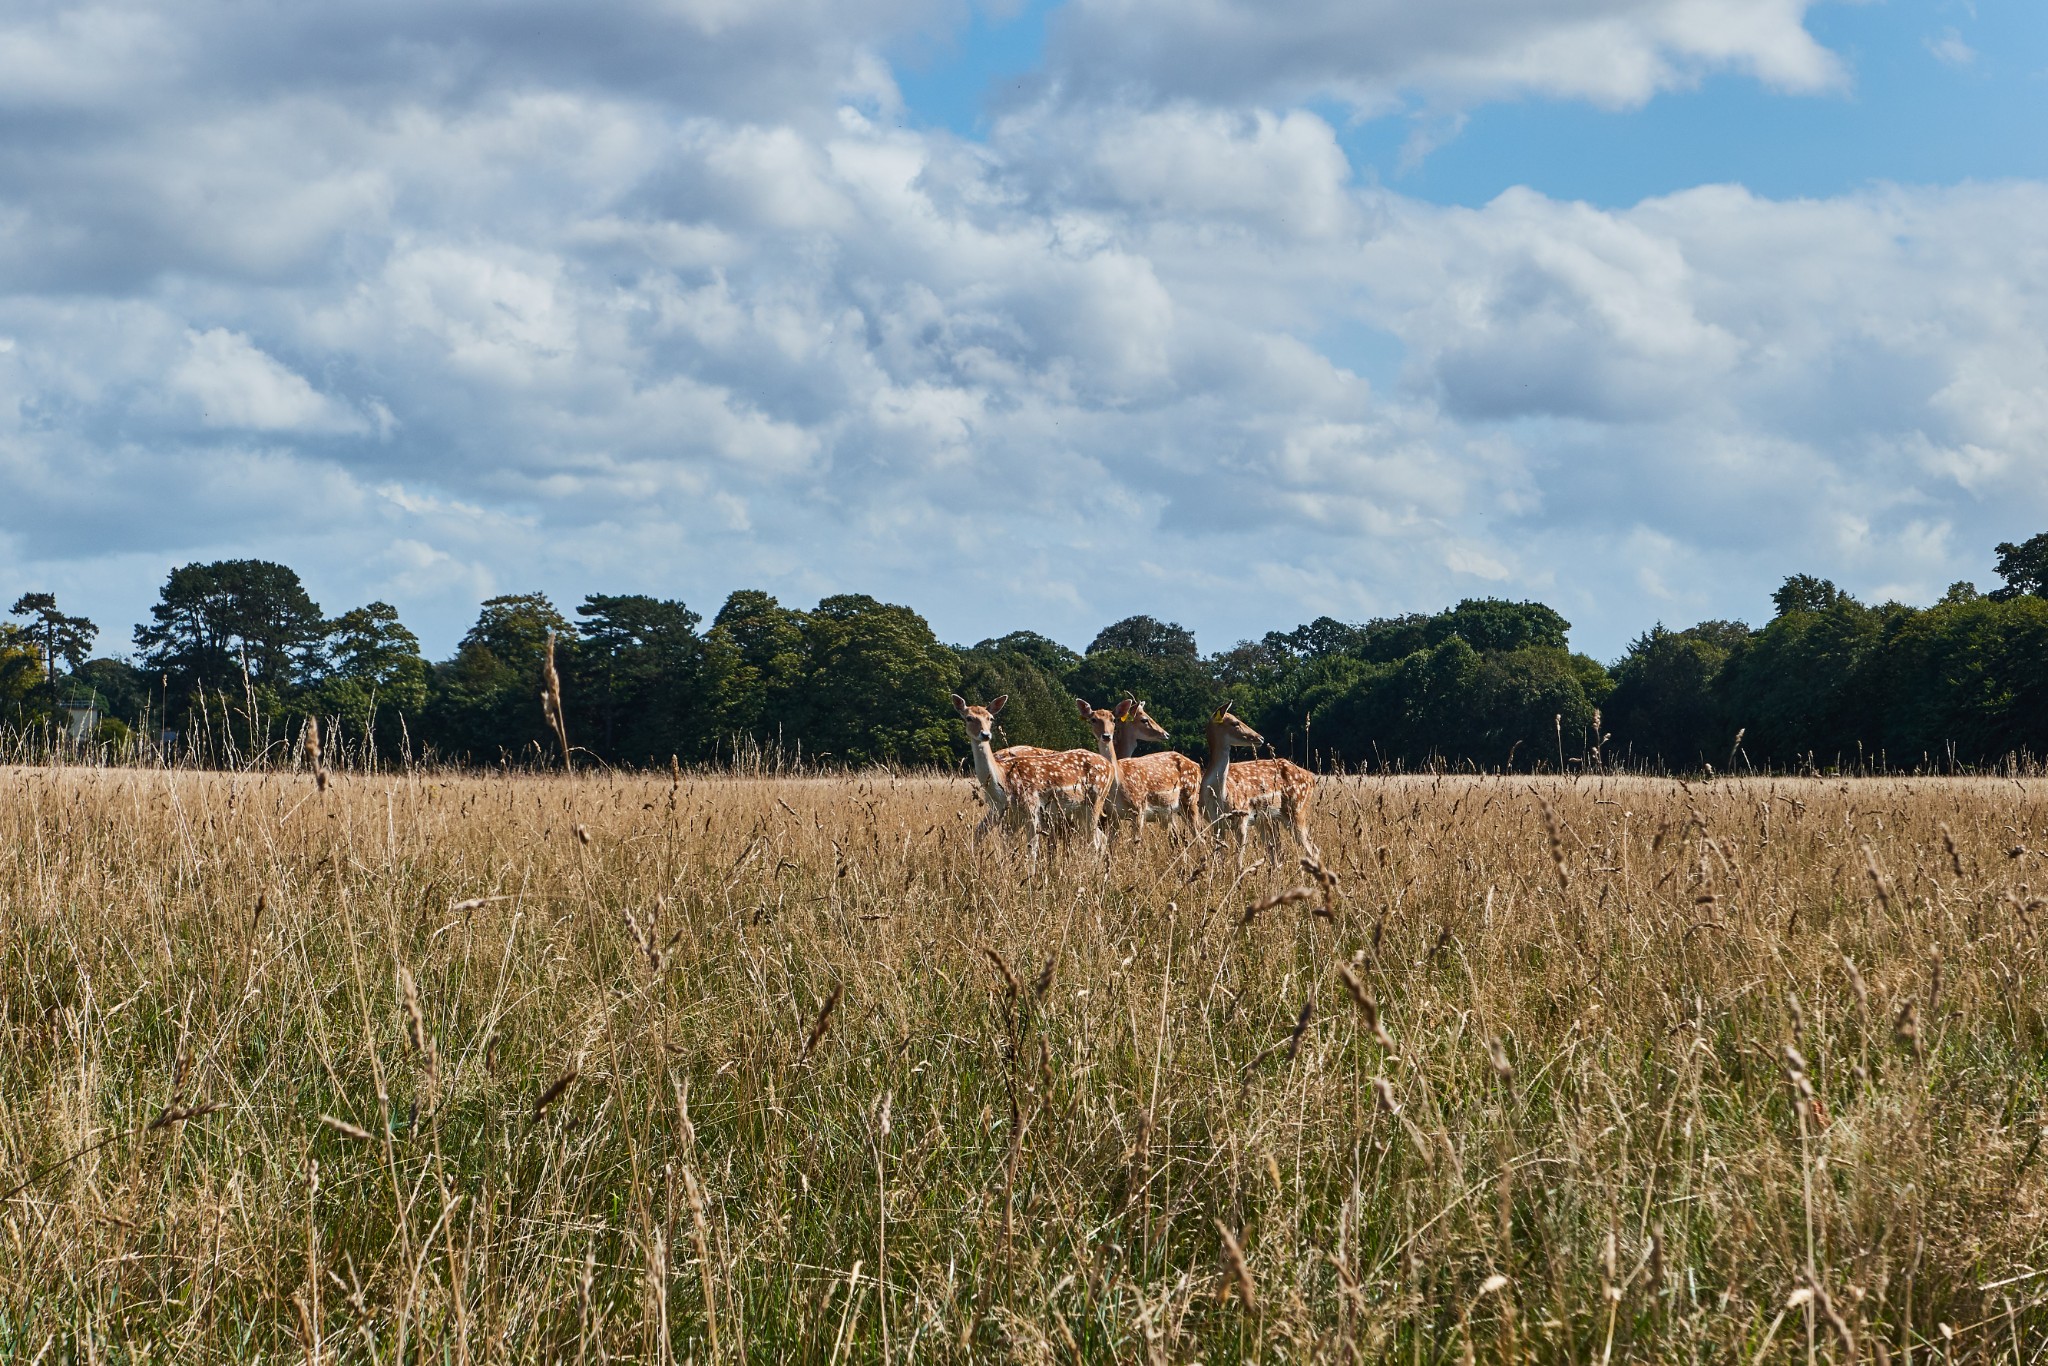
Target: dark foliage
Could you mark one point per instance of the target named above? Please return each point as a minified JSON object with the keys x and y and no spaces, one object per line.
{"x":485,"y":702}
{"x":230,"y":627}
{"x":61,"y":638}
{"x":1829,"y":682}
{"x":1148,"y":637}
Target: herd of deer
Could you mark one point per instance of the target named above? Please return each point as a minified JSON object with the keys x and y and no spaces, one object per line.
{"x":1038,"y":789}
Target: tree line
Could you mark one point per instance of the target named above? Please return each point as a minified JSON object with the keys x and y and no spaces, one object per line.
{"x":236,"y":658}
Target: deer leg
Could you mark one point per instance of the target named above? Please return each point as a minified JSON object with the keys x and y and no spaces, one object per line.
{"x":1297,"y":821}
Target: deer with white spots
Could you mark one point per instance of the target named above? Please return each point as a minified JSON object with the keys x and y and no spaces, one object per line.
{"x":1163,"y":785}
{"x":991,"y":790}
{"x":1033,"y":788}
{"x":1268,"y":792}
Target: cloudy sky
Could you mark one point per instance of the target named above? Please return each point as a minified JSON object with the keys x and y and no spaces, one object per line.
{"x":1031,"y":315}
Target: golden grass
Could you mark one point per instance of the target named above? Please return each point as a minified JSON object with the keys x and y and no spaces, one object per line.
{"x":652,"y":1069}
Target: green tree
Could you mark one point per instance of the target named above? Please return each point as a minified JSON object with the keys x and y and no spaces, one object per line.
{"x":1666,"y":707}
{"x":754,"y":659}
{"x":1387,"y":639}
{"x":1494,"y":624}
{"x":1040,"y":710}
{"x":1481,"y":682}
{"x":21,"y":677}
{"x":1531,"y":703}
{"x":1963,"y":681}
{"x":486,"y":701}
{"x":216,"y":625}
{"x":1251,"y":667}
{"x":123,"y":689}
{"x":1147,"y":636}
{"x":1321,"y":638}
{"x":1802,"y":686}
{"x":1053,"y":658}
{"x":641,"y":668}
{"x":61,"y":637}
{"x":1805,"y":593}
{"x":374,"y":666}
{"x":2024,"y":567}
{"x":877,"y":684}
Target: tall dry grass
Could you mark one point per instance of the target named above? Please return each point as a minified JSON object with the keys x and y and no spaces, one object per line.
{"x":596,"y":1069}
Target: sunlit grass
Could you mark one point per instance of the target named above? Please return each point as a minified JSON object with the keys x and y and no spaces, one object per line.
{"x":613,"y":1117}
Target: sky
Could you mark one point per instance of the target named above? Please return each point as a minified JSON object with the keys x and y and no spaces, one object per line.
{"x":1031,"y":314}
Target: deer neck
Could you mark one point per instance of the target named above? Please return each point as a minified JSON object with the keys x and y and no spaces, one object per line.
{"x":989,"y":770}
{"x":1217,"y":769}
{"x":1126,"y":740}
{"x":1108,"y":747}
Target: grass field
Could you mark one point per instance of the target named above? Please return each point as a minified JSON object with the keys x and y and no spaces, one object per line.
{"x":593,"y":1069}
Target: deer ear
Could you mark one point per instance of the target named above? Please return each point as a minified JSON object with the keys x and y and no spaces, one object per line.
{"x":1221,"y":712}
{"x":1123,"y":710}
{"x":997,"y":705}
{"x":1082,"y":706}
{"x":959,"y":704}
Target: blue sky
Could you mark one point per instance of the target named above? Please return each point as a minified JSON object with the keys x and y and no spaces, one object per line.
{"x":1030,"y":315}
{"x":1939,"y":92}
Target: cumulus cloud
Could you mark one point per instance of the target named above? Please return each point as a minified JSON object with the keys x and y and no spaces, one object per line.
{"x":438,"y":300}
{"x":237,"y":385}
{"x":1373,"y":52}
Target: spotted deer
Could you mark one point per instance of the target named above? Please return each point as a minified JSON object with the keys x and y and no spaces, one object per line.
{"x":1162,"y":785}
{"x":1269,"y":792}
{"x":991,"y":791}
{"x":1030,"y":788}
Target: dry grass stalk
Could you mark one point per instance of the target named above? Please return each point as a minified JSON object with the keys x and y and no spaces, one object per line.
{"x":551,"y":702}
{"x":1555,"y":833}
{"x":1239,"y":1272}
{"x":1002,"y":966}
{"x":313,"y":753}
{"x":1291,"y":1044}
{"x":1362,"y":997}
{"x":1568,"y":1059}
{"x":553,"y":1092}
{"x":346,"y":1129}
{"x":178,"y":1113}
{"x":701,"y":1236}
{"x":824,"y":1020}
{"x":1286,"y":898}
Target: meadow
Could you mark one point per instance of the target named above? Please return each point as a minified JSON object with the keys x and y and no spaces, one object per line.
{"x":662,"y":1068}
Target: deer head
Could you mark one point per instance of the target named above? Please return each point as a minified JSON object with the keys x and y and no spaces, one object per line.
{"x":1101,"y":724}
{"x":1225,"y":726}
{"x":980,"y":721}
{"x":1136,"y":721}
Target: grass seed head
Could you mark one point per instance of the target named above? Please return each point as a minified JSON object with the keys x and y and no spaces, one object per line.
{"x":1240,"y":1273}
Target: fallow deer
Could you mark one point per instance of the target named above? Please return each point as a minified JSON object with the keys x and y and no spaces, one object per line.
{"x":991,"y":791}
{"x":1030,"y":789}
{"x":1162,"y":785}
{"x":1271,"y":792}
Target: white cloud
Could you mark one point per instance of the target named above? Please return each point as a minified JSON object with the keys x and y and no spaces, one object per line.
{"x":433,"y":310}
{"x":1371,"y":52}
{"x":237,"y":385}
{"x":1950,"y":50}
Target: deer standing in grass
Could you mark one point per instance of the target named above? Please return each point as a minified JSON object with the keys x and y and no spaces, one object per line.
{"x":1269,"y":792}
{"x":991,"y":790}
{"x":1031,"y":787}
{"x":1163,"y":785}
